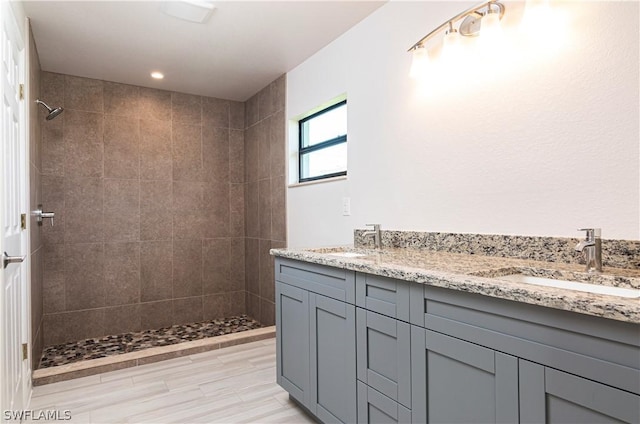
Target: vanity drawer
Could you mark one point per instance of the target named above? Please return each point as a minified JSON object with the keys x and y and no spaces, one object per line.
{"x":332,"y":282}
{"x":386,"y":296}
{"x":374,"y":407}
{"x":384,"y":355}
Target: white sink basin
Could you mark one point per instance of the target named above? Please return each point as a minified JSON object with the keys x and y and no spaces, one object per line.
{"x":572,"y":285}
{"x":347,"y":254}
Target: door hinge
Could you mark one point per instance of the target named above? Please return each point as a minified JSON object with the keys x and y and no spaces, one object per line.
{"x":21,"y":90}
{"x":23,"y":221}
{"x":25,"y":351}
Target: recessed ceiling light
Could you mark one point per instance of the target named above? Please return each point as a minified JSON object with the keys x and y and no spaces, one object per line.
{"x":197,"y":11}
{"x":157,"y":75}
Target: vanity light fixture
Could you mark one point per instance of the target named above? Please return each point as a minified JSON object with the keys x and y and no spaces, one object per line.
{"x":485,"y":17}
{"x":157,"y":75}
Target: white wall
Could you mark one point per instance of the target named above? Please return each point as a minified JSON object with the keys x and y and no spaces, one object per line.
{"x":543,"y":144}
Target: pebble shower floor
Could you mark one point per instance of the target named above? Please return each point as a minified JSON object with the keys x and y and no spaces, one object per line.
{"x":71,"y":352}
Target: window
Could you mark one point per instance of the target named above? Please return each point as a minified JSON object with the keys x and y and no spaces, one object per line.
{"x":323,"y":144}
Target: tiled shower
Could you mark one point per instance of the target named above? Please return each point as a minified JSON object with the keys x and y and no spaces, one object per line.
{"x":166,"y":207}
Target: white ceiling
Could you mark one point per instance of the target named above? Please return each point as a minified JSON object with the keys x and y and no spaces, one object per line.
{"x":243,"y":46}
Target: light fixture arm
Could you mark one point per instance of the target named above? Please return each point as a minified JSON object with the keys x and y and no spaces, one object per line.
{"x":470,"y":16}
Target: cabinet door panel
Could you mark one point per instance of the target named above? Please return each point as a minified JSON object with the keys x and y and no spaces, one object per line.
{"x":384,"y":355}
{"x":459,"y":382}
{"x":333,"y":359}
{"x":292,"y":341}
{"x":374,"y":407}
{"x":552,"y":396}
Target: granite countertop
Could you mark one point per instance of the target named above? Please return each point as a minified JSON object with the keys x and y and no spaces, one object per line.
{"x":477,"y":274}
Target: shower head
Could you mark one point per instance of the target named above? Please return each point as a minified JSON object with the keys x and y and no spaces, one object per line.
{"x":52,"y":112}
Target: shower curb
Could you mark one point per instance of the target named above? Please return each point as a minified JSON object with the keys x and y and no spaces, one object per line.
{"x":147,"y":356}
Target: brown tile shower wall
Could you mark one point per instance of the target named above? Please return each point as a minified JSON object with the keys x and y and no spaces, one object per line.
{"x":35,"y":198}
{"x":148,"y":190}
{"x":265,"y":195}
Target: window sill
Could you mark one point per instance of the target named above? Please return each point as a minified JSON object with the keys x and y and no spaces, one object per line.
{"x":325,"y":180}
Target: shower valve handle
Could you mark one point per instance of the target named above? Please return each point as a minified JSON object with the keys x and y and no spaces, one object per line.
{"x":41,"y":215}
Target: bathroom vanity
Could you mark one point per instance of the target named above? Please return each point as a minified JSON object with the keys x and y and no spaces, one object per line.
{"x":409,"y":335}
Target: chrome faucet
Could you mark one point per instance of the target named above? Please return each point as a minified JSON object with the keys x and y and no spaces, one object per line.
{"x":591,"y":248}
{"x":377,"y":239}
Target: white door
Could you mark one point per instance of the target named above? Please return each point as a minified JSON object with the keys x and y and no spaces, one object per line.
{"x":13,"y":202}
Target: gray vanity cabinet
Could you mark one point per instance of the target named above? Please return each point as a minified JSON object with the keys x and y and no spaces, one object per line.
{"x":374,"y":407}
{"x":354,"y":347}
{"x":383,"y":295}
{"x":384,"y":357}
{"x":292,"y":341}
{"x":555,"y":397}
{"x":316,"y":338}
{"x":459,"y":382}
{"x":332,"y":359}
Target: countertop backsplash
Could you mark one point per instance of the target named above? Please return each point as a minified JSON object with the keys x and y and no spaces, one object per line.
{"x":615,"y":253}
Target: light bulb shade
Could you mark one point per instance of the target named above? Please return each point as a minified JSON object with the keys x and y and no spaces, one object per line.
{"x":491,"y":31}
{"x":452,"y":46}
{"x":420,"y":62}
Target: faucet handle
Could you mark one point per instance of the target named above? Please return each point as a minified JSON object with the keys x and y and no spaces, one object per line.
{"x":592,"y":233}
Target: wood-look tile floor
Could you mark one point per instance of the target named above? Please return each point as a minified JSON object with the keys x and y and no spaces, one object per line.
{"x":231,"y":385}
